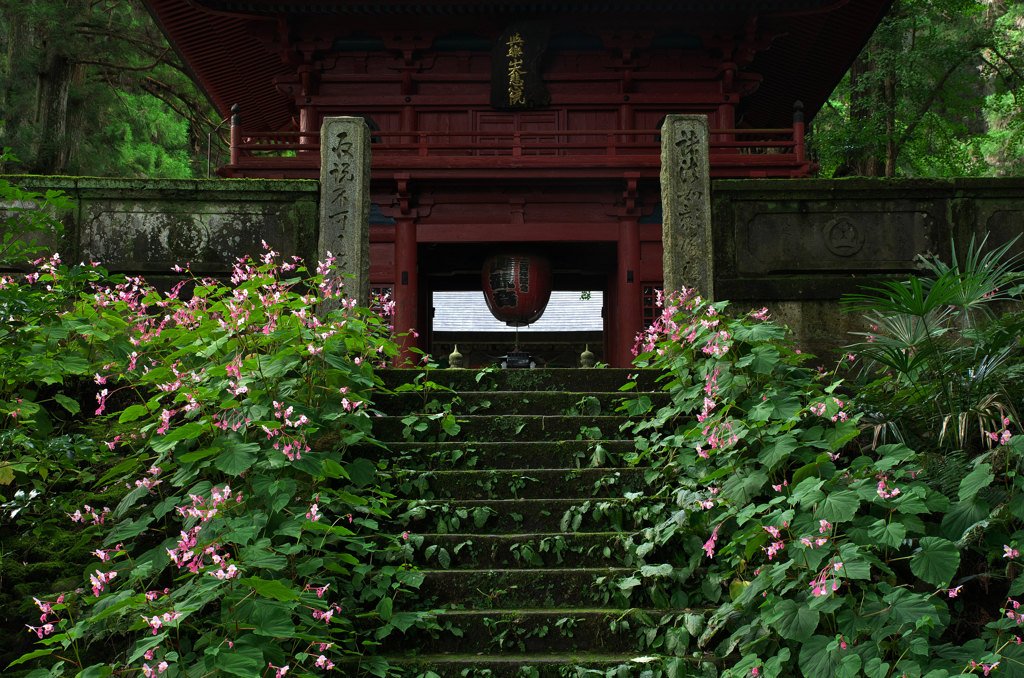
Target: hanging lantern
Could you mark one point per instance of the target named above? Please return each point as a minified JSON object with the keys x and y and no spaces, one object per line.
{"x":517,"y":287}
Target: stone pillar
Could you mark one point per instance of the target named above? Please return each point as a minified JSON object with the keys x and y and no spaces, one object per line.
{"x":686,"y":202}
{"x":345,"y":202}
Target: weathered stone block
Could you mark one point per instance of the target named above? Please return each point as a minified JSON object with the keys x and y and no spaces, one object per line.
{"x":345,"y":201}
{"x":686,"y":200}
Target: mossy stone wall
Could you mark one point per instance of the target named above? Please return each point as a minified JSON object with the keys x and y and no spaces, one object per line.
{"x":798,"y":245}
{"x":146,"y":226}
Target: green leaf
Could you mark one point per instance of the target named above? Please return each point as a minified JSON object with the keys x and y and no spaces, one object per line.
{"x":839,"y":507}
{"x":777,"y":451}
{"x":793,"y":620}
{"x":270,"y":588}
{"x":962,"y":515}
{"x":132,"y":413}
{"x":450,"y":426}
{"x":145,"y":644}
{"x":444,"y":559}
{"x":361,"y":471}
{"x":975,"y":480}
{"x":637,"y":407}
{"x":1011,"y":662}
{"x":816,"y":660}
{"x":237,"y":458}
{"x":161,"y":444}
{"x":67,"y":403}
{"x":272,"y":619}
{"x":936,"y":561}
{"x":242,"y":660}
{"x":384,"y":608}
{"x":480,"y":516}
{"x":31,"y":655}
{"x":890,"y":534}
{"x":95,"y":671}
{"x":403,"y":620}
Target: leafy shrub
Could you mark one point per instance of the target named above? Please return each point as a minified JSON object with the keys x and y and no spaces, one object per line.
{"x":824,"y":557}
{"x":245,"y":543}
{"x":939,"y":362}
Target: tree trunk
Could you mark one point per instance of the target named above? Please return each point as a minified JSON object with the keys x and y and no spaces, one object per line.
{"x":889,"y":103}
{"x":864,"y":97}
{"x":50,"y":148}
{"x":16,"y":78}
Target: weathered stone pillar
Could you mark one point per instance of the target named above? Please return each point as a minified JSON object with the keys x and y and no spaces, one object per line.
{"x":345,"y":202}
{"x":686,"y":202}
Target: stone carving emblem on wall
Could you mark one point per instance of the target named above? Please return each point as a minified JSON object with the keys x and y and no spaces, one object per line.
{"x":842,"y":237}
{"x":187,"y":236}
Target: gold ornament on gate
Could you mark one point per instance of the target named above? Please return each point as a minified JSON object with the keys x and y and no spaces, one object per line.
{"x":515,"y":70}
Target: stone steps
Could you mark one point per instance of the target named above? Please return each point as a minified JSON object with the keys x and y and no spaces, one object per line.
{"x":494,"y":428}
{"x":510,"y":551}
{"x":539,"y":483}
{"x":522,"y":516}
{"x":522,"y":525}
{"x":523,"y":454}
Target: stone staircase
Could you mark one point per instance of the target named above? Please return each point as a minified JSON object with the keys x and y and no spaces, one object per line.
{"x":518,"y":510}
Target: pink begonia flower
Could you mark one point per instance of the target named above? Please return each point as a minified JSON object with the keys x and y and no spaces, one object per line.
{"x":1010,"y":552}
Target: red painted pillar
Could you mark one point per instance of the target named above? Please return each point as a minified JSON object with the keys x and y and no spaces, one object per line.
{"x":407,"y":298}
{"x":630,"y":313}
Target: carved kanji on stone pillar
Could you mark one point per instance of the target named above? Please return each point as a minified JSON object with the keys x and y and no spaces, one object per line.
{"x":686,"y":201}
{"x":345,"y":202}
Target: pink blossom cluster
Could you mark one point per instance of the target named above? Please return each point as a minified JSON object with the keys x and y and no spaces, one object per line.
{"x":320,"y":590}
{"x":46,"y":626}
{"x":709,"y":545}
{"x":1009,"y":552}
{"x":159,"y":620}
{"x":323,"y":662}
{"x":773,"y":548}
{"x":149,"y":671}
{"x":88,"y":513}
{"x":104,"y":554}
{"x":279,"y":670}
{"x":885,"y":491}
{"x":207,"y":511}
{"x":100,"y":579}
{"x":822,"y":585}
{"x":325,"y":615}
{"x":986,"y":668}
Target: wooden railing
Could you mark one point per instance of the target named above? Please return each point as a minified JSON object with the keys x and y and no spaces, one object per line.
{"x":525,"y":144}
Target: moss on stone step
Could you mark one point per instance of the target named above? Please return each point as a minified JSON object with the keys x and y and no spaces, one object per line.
{"x":584,"y":483}
{"x":605,"y":380}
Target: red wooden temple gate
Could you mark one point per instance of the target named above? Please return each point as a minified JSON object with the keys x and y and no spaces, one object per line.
{"x":458,"y":174}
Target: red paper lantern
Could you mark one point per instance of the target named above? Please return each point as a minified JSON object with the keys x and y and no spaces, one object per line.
{"x":517,"y":287}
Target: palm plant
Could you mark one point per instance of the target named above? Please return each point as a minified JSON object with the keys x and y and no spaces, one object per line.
{"x":939,"y":357}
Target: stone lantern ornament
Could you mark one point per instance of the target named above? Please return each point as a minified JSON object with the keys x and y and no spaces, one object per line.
{"x":517,"y":288}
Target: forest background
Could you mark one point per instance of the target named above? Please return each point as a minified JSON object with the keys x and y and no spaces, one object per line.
{"x":91,"y":87}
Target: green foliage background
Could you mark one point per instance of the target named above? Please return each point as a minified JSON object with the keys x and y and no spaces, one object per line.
{"x":93,"y":88}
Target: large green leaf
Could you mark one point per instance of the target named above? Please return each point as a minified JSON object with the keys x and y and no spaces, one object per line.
{"x":794,"y":621}
{"x":242,"y":660}
{"x":839,"y":507}
{"x":237,"y":458}
{"x":936,"y":561}
{"x":975,"y":480}
{"x":270,"y":588}
{"x":361,"y":471}
{"x":161,"y":444}
{"x":1011,"y":662}
{"x":891,"y":534}
{"x":816,"y":660}
{"x":962,"y":516}
{"x":272,"y":619}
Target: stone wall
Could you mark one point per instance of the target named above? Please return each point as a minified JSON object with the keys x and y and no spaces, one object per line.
{"x":797,"y":246}
{"x":147,"y":226}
